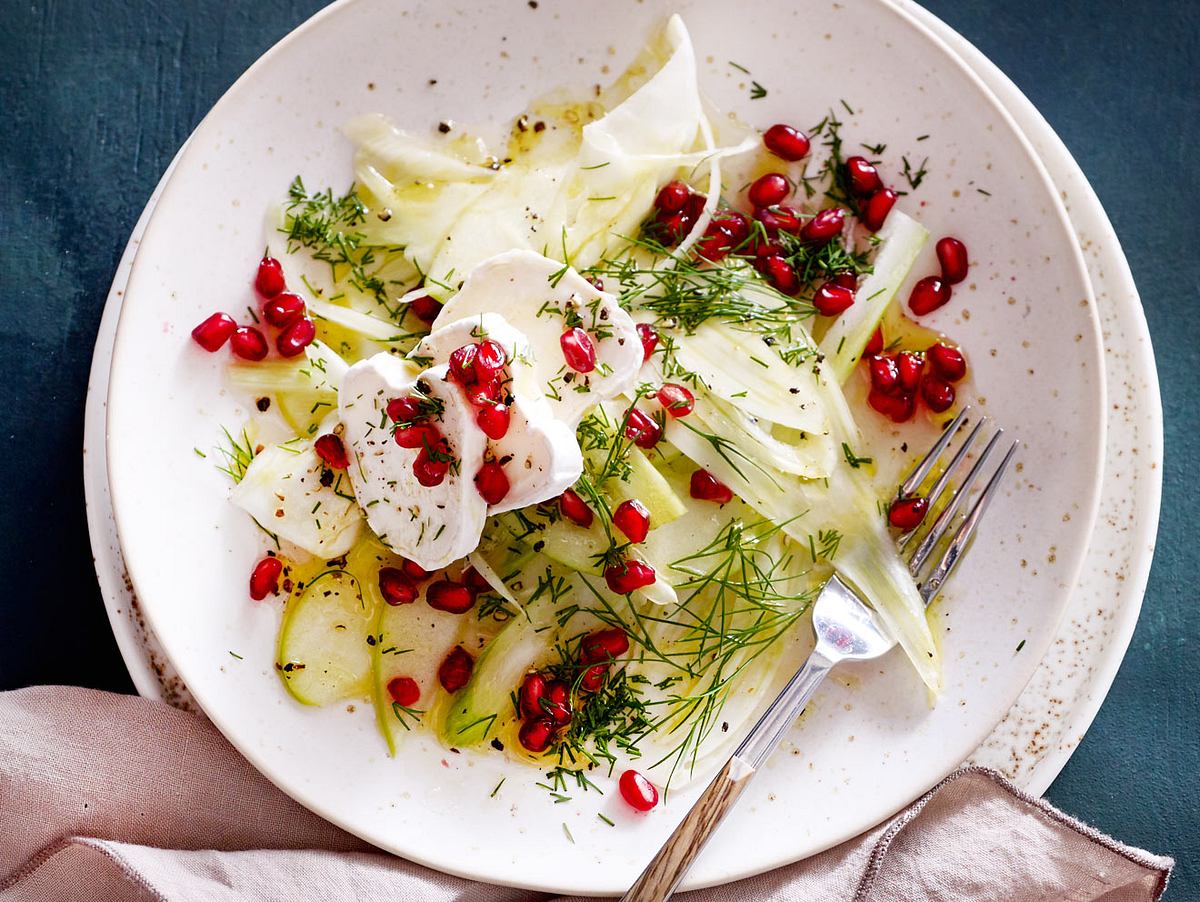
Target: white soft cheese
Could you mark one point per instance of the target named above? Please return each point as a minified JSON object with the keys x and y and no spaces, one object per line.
{"x":539,"y":453}
{"x":534,"y":293}
{"x":522,"y":301}
{"x":282,"y":490}
{"x":432,"y":525}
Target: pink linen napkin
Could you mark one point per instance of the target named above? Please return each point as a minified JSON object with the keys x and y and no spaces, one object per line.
{"x":113,"y":798}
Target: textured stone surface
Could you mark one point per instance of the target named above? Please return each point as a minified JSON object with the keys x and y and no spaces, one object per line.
{"x":98,"y":96}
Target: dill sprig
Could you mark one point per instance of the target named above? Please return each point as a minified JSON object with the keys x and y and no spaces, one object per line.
{"x":328,"y":227}
{"x":238,"y":454}
{"x":687,"y":293}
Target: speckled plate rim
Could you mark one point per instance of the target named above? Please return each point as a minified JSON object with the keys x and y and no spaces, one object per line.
{"x":1029,"y":746}
{"x":137,"y":643}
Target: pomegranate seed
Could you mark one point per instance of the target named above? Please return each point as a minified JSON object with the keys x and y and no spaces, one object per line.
{"x":649,"y":338}
{"x":455,"y":671}
{"x":396,"y":587}
{"x":604,"y":645}
{"x":491,"y":482}
{"x":429,"y":472}
{"x":733,"y":222}
{"x":706,"y":487}
{"x":695,"y":205}
{"x":536,"y":735}
{"x":861,"y":176}
{"x":453,"y":598}
{"x":556,"y":703}
{"x":952,"y":254}
{"x":638,"y":792}
{"x":947,"y":362}
{"x":484,"y":394}
{"x":642,"y":429}
{"x":248,"y":343}
{"x":927,"y":295}
{"x":726,"y":230}
{"x":831,"y":299}
{"x":214,"y":331}
{"x":296,"y":337}
{"x":672,"y":196}
{"x":938,"y":393}
{"x":909,"y":366}
{"x":768,"y":190}
{"x":404,"y":410}
{"x":462,"y":364}
{"x":404,"y":691}
{"x":875,"y":345}
{"x":846,"y":279}
{"x":425,"y":308}
{"x":593,"y":678}
{"x":264,"y":578}
{"x":781,"y":275}
{"x":571,"y":506}
{"x":283,"y":309}
{"x":529,"y":697}
{"x":671,"y":229}
{"x":578,"y":350}
{"x":269,"y":281}
{"x":716,"y":242}
{"x":786,"y":142}
{"x":419,"y":435}
{"x":494,"y":421}
{"x":906,"y":514}
{"x":780,"y":218}
{"x":490,"y":359}
{"x":623,"y":578}
{"x":762,"y":247}
{"x":475,"y":581}
{"x":885,"y":375}
{"x":331,"y":450}
{"x":824,"y":227}
{"x":415,"y":571}
{"x":897,"y":408}
{"x":676,"y":399}
{"x":875,"y":211}
{"x":632,"y":518}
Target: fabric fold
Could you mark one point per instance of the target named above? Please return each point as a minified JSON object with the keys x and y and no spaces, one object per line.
{"x":114,"y":798}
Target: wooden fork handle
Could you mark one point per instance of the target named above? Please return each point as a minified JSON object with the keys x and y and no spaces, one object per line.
{"x":667,"y":868}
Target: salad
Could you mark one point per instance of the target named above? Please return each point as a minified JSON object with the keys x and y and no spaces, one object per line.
{"x":553,"y":445}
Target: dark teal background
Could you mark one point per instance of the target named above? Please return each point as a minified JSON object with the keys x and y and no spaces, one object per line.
{"x":97,"y":96}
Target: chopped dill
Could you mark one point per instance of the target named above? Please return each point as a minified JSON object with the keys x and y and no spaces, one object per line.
{"x":238,"y":454}
{"x":329,"y":228}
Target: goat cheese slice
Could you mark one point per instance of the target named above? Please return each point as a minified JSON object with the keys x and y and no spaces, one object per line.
{"x":539,"y":453}
{"x":431,"y":525}
{"x":541,"y":298}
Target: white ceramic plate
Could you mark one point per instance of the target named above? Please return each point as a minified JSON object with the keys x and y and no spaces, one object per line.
{"x":188,"y":553}
{"x":1034,"y":741}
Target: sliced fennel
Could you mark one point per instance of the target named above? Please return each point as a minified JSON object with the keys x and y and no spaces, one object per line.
{"x":323,"y":654}
{"x":282,"y":490}
{"x":902,"y":238}
{"x":484,"y":704}
{"x":574,"y":200}
{"x":842,"y":501}
{"x":410,"y":640}
{"x":319,"y":372}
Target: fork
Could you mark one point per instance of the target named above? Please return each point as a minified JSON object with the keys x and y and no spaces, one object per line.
{"x":846,"y":630}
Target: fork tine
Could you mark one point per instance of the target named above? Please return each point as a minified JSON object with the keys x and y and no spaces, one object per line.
{"x":942,"y":523}
{"x":913,"y":481}
{"x":932,"y":585}
{"x":944,"y":480}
